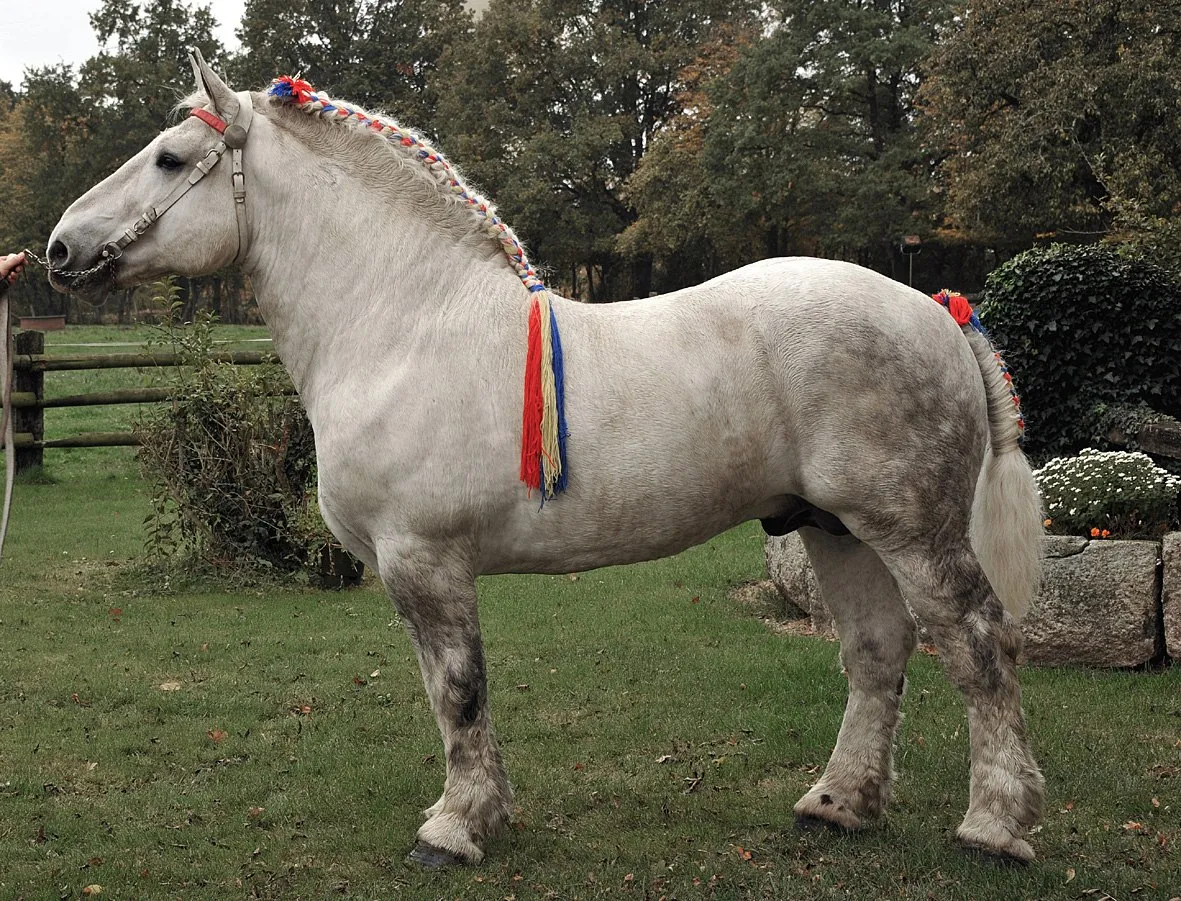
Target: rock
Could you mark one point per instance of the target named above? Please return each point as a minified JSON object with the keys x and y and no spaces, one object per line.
{"x":1097,"y":606}
{"x":791,"y":571}
{"x":1171,"y":593}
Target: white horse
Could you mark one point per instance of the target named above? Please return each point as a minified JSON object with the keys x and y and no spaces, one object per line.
{"x":806,"y":393}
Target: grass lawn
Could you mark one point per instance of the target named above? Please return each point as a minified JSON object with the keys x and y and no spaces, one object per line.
{"x":168,"y":741}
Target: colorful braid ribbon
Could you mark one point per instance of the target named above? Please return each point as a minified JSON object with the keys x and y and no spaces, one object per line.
{"x":543,"y":438}
{"x":961,"y":311}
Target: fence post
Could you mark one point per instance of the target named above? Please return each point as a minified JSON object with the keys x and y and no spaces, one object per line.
{"x":29,"y":419}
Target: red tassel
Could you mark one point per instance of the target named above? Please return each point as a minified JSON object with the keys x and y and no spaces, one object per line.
{"x":960,"y":309}
{"x":531,"y":419}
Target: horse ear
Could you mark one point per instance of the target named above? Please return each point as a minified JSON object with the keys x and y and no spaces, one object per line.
{"x":224,"y":100}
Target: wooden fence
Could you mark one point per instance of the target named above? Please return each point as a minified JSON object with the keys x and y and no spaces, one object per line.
{"x":29,"y":404}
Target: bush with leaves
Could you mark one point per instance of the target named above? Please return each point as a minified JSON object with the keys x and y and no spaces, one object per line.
{"x":231,"y":459}
{"x":1108,"y":494}
{"x":1084,"y":329}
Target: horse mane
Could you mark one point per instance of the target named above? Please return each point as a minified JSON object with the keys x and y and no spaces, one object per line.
{"x":348,"y":131}
{"x":372,"y":140}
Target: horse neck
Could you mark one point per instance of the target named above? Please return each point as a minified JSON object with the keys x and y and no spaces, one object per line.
{"x":343,"y":275}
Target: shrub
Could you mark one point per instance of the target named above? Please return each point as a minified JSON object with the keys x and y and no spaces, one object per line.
{"x":1084,"y":329}
{"x":1108,"y":493}
{"x":231,"y":461}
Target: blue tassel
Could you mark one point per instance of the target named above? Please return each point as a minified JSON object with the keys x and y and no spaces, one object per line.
{"x":560,"y":391}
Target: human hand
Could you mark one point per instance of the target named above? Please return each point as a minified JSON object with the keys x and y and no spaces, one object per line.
{"x":11,"y":266}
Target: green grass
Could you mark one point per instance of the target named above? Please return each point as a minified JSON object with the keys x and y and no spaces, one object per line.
{"x":293,"y":757}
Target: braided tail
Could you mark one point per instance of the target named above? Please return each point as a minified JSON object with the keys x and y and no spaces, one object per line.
{"x":1007,"y":509}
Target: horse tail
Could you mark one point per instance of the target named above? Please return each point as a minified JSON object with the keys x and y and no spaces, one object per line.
{"x":1007,"y":509}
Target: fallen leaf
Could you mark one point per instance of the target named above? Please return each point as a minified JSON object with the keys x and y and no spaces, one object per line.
{"x":169,"y":686}
{"x":218,"y":735}
{"x":629,"y":877}
{"x":1133,"y":826}
{"x":115,"y":612}
{"x":664,"y":758}
{"x":357,"y":680}
{"x":94,"y":889}
{"x":579,"y":766}
{"x":1069,"y":874}
{"x":1156,"y":802}
{"x":375,"y":674}
{"x":255,"y":812}
{"x":205,"y":646}
{"x":743,"y":853}
{"x":524,"y":686}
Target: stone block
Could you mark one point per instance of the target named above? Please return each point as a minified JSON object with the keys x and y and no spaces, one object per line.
{"x":1097,"y":606}
{"x":1171,"y":593}
{"x":791,"y":571}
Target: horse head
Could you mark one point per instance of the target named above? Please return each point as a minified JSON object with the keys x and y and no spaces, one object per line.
{"x":115,"y":233}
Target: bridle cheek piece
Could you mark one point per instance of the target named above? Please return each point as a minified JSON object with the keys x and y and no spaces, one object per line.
{"x":233,"y":138}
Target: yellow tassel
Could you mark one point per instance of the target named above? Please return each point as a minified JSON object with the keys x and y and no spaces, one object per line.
{"x":549,"y":415}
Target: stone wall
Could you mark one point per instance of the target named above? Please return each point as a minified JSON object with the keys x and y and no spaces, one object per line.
{"x":1103,"y":603}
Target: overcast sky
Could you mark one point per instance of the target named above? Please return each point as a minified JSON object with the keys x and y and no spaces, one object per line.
{"x":44,"y":32}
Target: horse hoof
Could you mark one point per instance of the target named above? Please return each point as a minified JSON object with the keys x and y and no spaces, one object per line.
{"x":431,"y":858}
{"x":808,"y":823}
{"x":1016,"y":856}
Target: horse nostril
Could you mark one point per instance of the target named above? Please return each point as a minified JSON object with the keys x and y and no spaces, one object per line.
{"x":59,"y":254}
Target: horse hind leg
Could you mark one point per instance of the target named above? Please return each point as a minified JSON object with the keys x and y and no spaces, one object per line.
{"x":978,"y":643}
{"x":877,"y":636}
{"x":437,"y":602}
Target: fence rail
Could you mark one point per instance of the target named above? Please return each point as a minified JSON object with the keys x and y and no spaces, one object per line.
{"x":30,"y":363}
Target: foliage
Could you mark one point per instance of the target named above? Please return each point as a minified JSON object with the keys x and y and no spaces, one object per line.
{"x":1113,"y":493}
{"x":1043,"y":113}
{"x":1081,"y":327}
{"x":378,"y":53}
{"x":553,"y":105}
{"x":231,"y":460}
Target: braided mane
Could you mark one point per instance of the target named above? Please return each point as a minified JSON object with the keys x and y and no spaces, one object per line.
{"x":300,"y":95}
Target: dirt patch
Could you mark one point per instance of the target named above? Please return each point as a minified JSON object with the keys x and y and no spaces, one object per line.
{"x":762,"y":600}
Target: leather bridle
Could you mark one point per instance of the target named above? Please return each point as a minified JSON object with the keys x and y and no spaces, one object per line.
{"x":233,"y":138}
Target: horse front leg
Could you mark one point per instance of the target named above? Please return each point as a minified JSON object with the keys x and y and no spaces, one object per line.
{"x":437,"y":603}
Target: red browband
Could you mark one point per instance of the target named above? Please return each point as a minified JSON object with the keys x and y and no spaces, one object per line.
{"x":218,"y":125}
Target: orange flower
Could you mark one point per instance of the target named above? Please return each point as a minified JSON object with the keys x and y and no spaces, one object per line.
{"x":1105,"y":534}
{"x":1094,"y":533}
{"x":1048,"y":523}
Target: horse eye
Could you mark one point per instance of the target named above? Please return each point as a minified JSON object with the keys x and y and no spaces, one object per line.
{"x":168,"y":161}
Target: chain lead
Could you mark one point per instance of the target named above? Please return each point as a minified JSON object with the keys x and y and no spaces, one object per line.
{"x":69,"y":273}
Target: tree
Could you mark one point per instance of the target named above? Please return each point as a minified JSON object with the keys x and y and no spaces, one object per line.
{"x":810,"y":143}
{"x":379,"y":53}
{"x":553,"y":105}
{"x":1058,"y":117}
{"x":75,"y":129}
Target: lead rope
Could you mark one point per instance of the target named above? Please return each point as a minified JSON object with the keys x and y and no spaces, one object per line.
{"x":6,"y":416}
